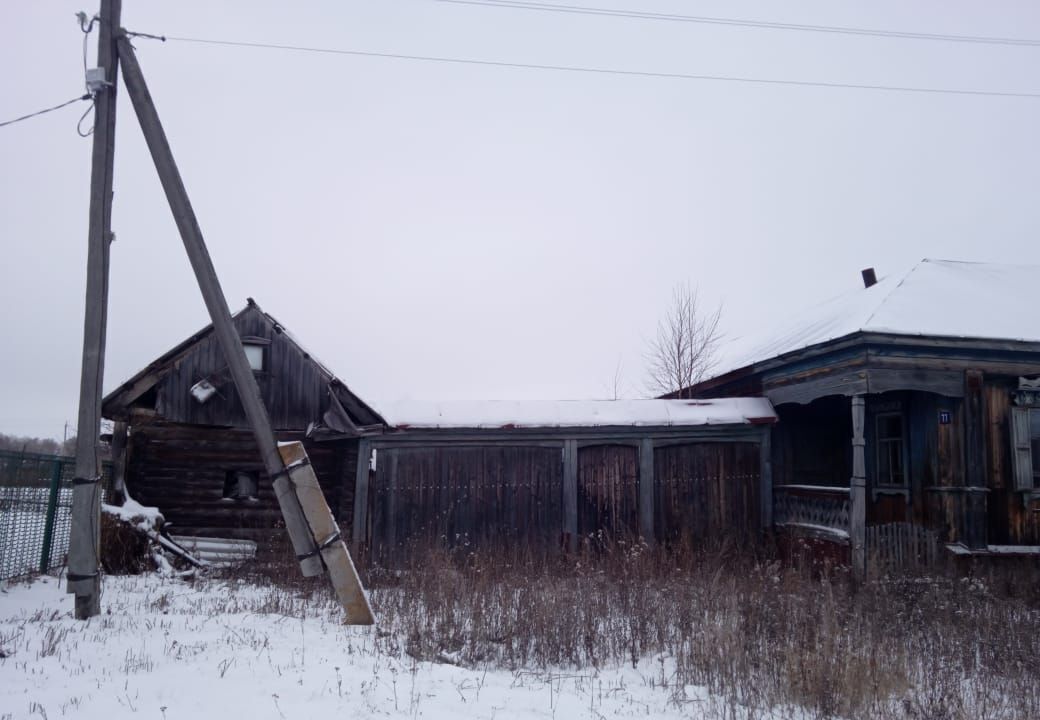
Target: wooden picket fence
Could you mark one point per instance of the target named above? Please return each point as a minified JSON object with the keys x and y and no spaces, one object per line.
{"x":902,"y":546}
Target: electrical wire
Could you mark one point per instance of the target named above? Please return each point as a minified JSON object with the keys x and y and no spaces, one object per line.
{"x":79,"y":125}
{"x":710,"y":20}
{"x":86,"y":27}
{"x":602,"y":71}
{"x":45,"y":110}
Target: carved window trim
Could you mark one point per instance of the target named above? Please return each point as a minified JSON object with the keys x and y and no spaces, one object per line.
{"x":1025,"y":438}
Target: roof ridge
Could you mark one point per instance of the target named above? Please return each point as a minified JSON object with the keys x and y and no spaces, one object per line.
{"x":950,"y":261}
{"x":890,"y":293}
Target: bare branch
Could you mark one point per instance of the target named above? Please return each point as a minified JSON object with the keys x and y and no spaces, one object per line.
{"x":686,"y":346}
{"x":616,"y":382}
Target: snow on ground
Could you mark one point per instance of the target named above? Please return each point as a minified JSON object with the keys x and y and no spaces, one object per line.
{"x":168,"y":649}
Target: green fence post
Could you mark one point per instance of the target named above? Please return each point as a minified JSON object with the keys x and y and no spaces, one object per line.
{"x":52,"y":508}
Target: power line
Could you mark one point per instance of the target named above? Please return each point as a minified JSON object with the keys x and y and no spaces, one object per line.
{"x":603,"y":71}
{"x":737,"y":22}
{"x":45,"y":110}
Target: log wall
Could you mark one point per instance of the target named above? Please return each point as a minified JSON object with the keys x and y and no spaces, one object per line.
{"x":181,"y":469}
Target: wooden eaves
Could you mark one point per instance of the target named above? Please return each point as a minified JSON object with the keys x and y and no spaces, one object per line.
{"x":872,"y":362}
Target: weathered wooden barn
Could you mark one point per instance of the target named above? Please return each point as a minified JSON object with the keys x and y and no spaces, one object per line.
{"x":909,"y":414}
{"x":542,"y":476}
{"x":182,"y":443}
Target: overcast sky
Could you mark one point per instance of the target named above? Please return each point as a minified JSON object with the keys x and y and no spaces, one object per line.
{"x":448,"y":231}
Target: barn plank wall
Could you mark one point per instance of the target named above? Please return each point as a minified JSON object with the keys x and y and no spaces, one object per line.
{"x":465,"y":498}
{"x":608,"y":493}
{"x":293,"y":388}
{"x":512,"y":494}
{"x":707,"y":492}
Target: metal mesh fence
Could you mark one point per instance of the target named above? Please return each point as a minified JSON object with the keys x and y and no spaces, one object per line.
{"x":35,"y":511}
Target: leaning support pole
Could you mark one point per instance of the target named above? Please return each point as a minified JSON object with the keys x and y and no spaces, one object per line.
{"x":230,"y":343}
{"x":84,"y":534}
{"x":333,"y":547}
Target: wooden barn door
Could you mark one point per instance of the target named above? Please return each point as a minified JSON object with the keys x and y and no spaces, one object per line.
{"x":608,"y":494}
{"x":706,"y":492}
{"x":494,"y":498}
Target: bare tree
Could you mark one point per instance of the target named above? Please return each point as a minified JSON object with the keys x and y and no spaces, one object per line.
{"x":614,"y":387}
{"x":686,"y":346}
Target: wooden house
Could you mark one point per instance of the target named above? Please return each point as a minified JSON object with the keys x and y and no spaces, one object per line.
{"x":909,"y":413}
{"x":182,"y":442}
{"x":541,"y":476}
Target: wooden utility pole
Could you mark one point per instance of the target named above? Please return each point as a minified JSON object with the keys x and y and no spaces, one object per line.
{"x":312,"y":528}
{"x":84,"y":535}
{"x":230,"y":343}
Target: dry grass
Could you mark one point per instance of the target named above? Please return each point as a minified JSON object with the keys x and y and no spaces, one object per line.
{"x":768,"y":639}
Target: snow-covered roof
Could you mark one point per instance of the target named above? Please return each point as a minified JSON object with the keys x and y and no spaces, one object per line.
{"x":936,"y":298}
{"x":493,"y":414}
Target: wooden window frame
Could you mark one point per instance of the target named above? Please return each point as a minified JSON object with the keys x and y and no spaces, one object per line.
{"x":234,"y":491}
{"x":1024,"y":465}
{"x":265,"y":352}
{"x":901,"y":444}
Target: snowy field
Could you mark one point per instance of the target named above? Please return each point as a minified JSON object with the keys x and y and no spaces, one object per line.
{"x":166,"y":649}
{"x":712,"y":637}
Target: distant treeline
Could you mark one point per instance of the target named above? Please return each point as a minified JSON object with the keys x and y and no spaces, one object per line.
{"x":45,"y":446}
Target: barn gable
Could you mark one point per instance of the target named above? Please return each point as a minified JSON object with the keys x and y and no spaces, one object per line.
{"x":190,"y":384}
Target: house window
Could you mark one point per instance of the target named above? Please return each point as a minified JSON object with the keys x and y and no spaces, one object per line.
{"x":255,"y":356}
{"x":891,"y":460}
{"x":240,"y":485}
{"x":1034,"y":443}
{"x":1025,"y":430}
{"x":256,"y":352}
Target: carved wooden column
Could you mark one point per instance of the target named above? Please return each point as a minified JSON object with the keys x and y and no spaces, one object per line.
{"x":858,"y":493}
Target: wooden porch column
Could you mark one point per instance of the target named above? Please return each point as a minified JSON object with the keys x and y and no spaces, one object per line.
{"x":646,"y":490}
{"x":973,"y":509}
{"x":766,"y":479}
{"x":858,"y":493}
